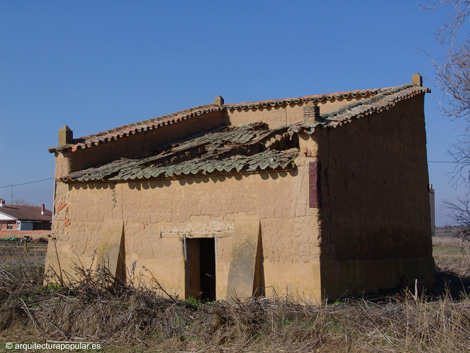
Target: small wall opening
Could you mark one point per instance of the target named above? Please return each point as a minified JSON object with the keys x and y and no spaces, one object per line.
{"x":200,"y":268}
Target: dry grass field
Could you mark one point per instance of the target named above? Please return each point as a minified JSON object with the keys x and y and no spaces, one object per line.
{"x":131,"y":318}
{"x":450,"y":254}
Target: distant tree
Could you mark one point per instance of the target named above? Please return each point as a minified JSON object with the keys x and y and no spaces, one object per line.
{"x":453,"y":77}
{"x":453,"y":69}
{"x":460,"y":213}
{"x":21,"y":202}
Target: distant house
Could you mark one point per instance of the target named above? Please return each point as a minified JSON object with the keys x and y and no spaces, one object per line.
{"x":19,"y":217}
{"x":312,"y":197}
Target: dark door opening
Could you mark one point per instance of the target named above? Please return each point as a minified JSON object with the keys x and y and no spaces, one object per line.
{"x":200,"y":268}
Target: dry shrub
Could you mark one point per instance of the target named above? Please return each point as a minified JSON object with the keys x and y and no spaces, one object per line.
{"x":17,"y":282}
{"x":95,"y":307}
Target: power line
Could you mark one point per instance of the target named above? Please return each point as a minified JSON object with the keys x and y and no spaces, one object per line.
{"x":29,"y":182}
{"x":442,"y":162}
{"x":38,"y":181}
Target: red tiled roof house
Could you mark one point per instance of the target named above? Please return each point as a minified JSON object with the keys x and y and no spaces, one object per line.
{"x":20,"y":217}
{"x":311,"y":197}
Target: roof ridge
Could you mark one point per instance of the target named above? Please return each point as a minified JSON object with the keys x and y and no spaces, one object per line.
{"x":385,"y":92}
{"x":182,"y":113}
{"x":309,"y":98}
{"x":176,"y":117}
{"x":376,"y":104}
{"x":140,"y":126}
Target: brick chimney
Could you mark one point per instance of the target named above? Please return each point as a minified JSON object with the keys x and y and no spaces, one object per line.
{"x":417,"y":79}
{"x":42,"y":209}
{"x":65,"y":136}
{"x":312,"y":111}
{"x":219,"y":100}
{"x":2,"y":203}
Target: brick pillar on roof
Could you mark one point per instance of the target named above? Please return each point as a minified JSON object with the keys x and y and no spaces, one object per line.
{"x":219,"y":100}
{"x":65,"y":136}
{"x":312,"y":111}
{"x":417,"y":79}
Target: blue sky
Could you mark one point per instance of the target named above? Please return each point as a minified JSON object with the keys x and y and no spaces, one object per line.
{"x":95,"y":65}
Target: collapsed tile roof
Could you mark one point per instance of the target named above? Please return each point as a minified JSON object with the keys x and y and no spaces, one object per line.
{"x":174,"y":118}
{"x":383,"y":100}
{"x":244,"y":148}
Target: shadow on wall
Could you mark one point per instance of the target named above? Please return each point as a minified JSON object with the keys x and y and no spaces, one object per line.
{"x":162,"y":183}
{"x":259,"y":286}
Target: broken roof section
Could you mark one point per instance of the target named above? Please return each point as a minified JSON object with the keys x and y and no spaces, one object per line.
{"x":245,"y":148}
{"x":383,"y":100}
{"x":178,"y":117}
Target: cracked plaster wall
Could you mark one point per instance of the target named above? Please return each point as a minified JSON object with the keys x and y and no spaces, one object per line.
{"x":373,"y":224}
{"x":375,"y":216}
{"x":158,"y":214}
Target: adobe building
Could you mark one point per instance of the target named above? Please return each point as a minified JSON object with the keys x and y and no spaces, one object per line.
{"x":312,"y":197}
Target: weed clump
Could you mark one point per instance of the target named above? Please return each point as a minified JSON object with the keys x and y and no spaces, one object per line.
{"x":96,"y":307}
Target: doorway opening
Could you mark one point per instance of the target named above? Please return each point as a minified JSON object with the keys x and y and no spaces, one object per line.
{"x":200,"y":268}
